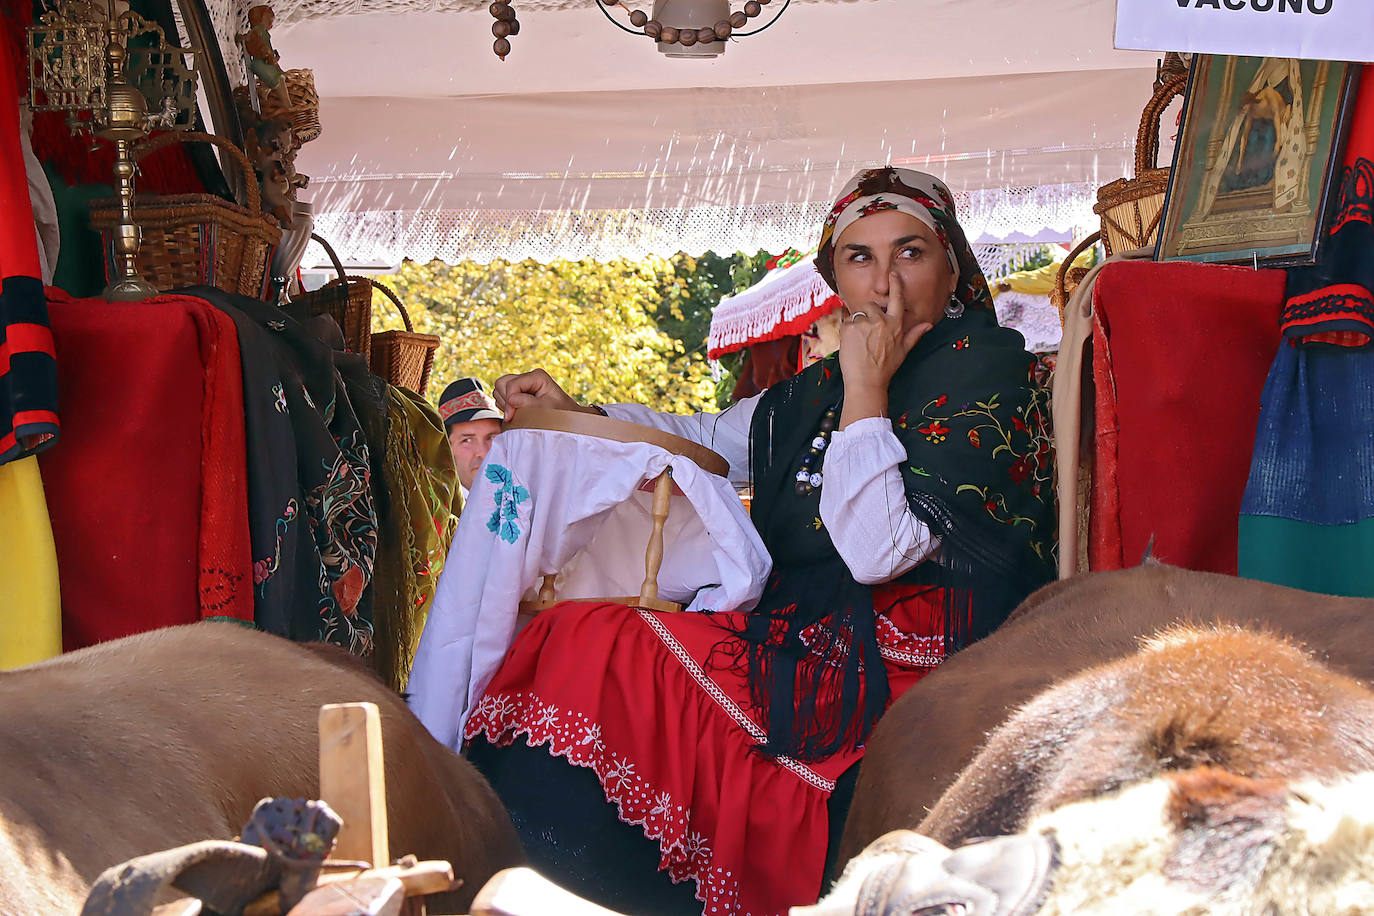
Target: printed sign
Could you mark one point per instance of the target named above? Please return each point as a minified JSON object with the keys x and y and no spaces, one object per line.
{"x":1309,"y":29}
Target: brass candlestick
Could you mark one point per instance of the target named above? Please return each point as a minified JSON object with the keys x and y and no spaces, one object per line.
{"x":81,"y":61}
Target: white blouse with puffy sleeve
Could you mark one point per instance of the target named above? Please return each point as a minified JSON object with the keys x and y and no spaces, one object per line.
{"x":863,"y":501}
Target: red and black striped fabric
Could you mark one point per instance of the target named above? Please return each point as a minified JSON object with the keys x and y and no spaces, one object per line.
{"x":28,"y":367}
{"x":1332,"y":302}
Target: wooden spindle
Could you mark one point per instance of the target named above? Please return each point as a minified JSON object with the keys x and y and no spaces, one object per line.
{"x":653,"y":556}
{"x":546,"y":589}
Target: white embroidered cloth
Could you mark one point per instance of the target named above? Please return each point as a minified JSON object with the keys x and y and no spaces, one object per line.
{"x":547,"y":502}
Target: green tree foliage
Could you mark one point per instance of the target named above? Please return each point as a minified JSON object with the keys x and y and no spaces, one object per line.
{"x":593,"y":326}
{"x":690,"y":292}
{"x":607,"y":332}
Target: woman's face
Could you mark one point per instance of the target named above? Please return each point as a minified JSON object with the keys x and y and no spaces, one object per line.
{"x":872,"y":247}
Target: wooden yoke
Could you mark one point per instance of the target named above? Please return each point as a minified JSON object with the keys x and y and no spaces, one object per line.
{"x":352,"y":781}
{"x":352,"y":784}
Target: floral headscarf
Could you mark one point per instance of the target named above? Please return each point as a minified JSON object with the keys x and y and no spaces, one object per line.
{"x":916,"y":194}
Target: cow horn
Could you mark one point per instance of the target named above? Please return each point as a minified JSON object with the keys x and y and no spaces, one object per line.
{"x":1017,"y":869}
{"x":899,"y":875}
{"x":224,"y":875}
{"x":871,"y":871}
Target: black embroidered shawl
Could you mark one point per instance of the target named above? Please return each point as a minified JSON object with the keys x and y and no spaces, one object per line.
{"x":311,"y":512}
{"x":978,"y":474}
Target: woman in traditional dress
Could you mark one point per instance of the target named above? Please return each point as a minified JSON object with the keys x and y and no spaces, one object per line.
{"x":902,"y":487}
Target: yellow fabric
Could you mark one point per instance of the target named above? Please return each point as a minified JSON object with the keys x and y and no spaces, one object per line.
{"x":30,"y":606}
{"x":1040,"y":281}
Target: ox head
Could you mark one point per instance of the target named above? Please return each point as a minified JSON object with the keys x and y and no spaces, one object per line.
{"x":1197,"y":842}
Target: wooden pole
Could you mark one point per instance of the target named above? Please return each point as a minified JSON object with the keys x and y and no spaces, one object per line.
{"x":653,"y":556}
{"x":352,"y":780}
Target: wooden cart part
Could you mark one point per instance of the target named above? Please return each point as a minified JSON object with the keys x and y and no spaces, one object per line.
{"x":359,"y":880}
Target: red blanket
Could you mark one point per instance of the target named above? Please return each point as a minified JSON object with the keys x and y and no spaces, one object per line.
{"x":1180,"y":354}
{"x":147,"y":490}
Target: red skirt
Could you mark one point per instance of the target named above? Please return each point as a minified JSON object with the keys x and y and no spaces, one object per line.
{"x":631,"y":695}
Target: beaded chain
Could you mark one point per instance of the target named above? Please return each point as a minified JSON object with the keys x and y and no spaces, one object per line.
{"x":688,"y":37}
{"x":506,"y":25}
{"x":809,"y":476}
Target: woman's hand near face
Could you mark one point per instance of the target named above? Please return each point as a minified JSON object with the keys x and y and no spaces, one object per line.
{"x":872,"y":348}
{"x":532,"y":389}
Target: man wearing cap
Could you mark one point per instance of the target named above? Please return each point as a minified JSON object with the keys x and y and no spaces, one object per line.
{"x":472,"y":421}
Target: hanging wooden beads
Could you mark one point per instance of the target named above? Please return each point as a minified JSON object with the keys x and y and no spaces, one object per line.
{"x":505,"y":26}
{"x":687,"y":36}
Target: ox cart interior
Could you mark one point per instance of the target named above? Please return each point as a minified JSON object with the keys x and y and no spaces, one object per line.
{"x":1006,"y":555}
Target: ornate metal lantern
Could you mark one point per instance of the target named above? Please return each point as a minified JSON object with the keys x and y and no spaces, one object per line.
{"x":94,"y":58}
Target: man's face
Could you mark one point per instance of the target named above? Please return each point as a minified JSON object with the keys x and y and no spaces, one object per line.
{"x":470,"y":442}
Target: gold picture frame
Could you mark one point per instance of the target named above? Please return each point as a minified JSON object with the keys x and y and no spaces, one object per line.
{"x":1252,"y":177}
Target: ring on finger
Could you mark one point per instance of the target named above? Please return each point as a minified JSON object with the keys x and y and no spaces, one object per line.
{"x":855,"y":316}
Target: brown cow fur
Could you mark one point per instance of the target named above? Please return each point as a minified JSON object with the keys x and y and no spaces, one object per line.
{"x":934,"y":730}
{"x":1228,"y":699}
{"x":170,"y":737}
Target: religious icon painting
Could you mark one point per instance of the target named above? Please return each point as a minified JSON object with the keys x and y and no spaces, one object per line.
{"x":1252,"y":178}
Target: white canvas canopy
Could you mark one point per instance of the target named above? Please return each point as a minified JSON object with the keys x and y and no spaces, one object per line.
{"x":586,"y":142}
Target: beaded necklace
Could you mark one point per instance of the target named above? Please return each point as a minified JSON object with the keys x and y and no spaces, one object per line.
{"x":809,"y":476}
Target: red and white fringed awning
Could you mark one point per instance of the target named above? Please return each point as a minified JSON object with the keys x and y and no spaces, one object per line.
{"x":785,"y":302}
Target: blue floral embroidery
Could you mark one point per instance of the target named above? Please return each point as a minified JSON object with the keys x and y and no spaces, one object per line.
{"x":507,"y":497}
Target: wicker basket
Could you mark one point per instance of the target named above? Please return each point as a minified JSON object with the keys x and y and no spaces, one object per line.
{"x":403,"y":358}
{"x":1131,"y":207}
{"x":304,"y":113}
{"x":352,"y":312}
{"x":196,"y":239}
{"x":305,"y":105}
{"x":1069,"y":276}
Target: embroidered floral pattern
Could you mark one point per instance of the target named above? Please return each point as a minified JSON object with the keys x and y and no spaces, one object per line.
{"x":508,"y":498}
{"x":264,"y":569}
{"x":1021,"y":439}
{"x":344,"y":522}
{"x":910,"y":649}
{"x":934,"y":432}
{"x":684,"y":853}
{"x":876,"y":205}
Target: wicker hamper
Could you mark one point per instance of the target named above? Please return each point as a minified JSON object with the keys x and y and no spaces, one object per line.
{"x":304,"y":113}
{"x":353,"y":312}
{"x":196,"y":239}
{"x":305,"y":104}
{"x":1131,"y":207}
{"x":403,"y":358}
